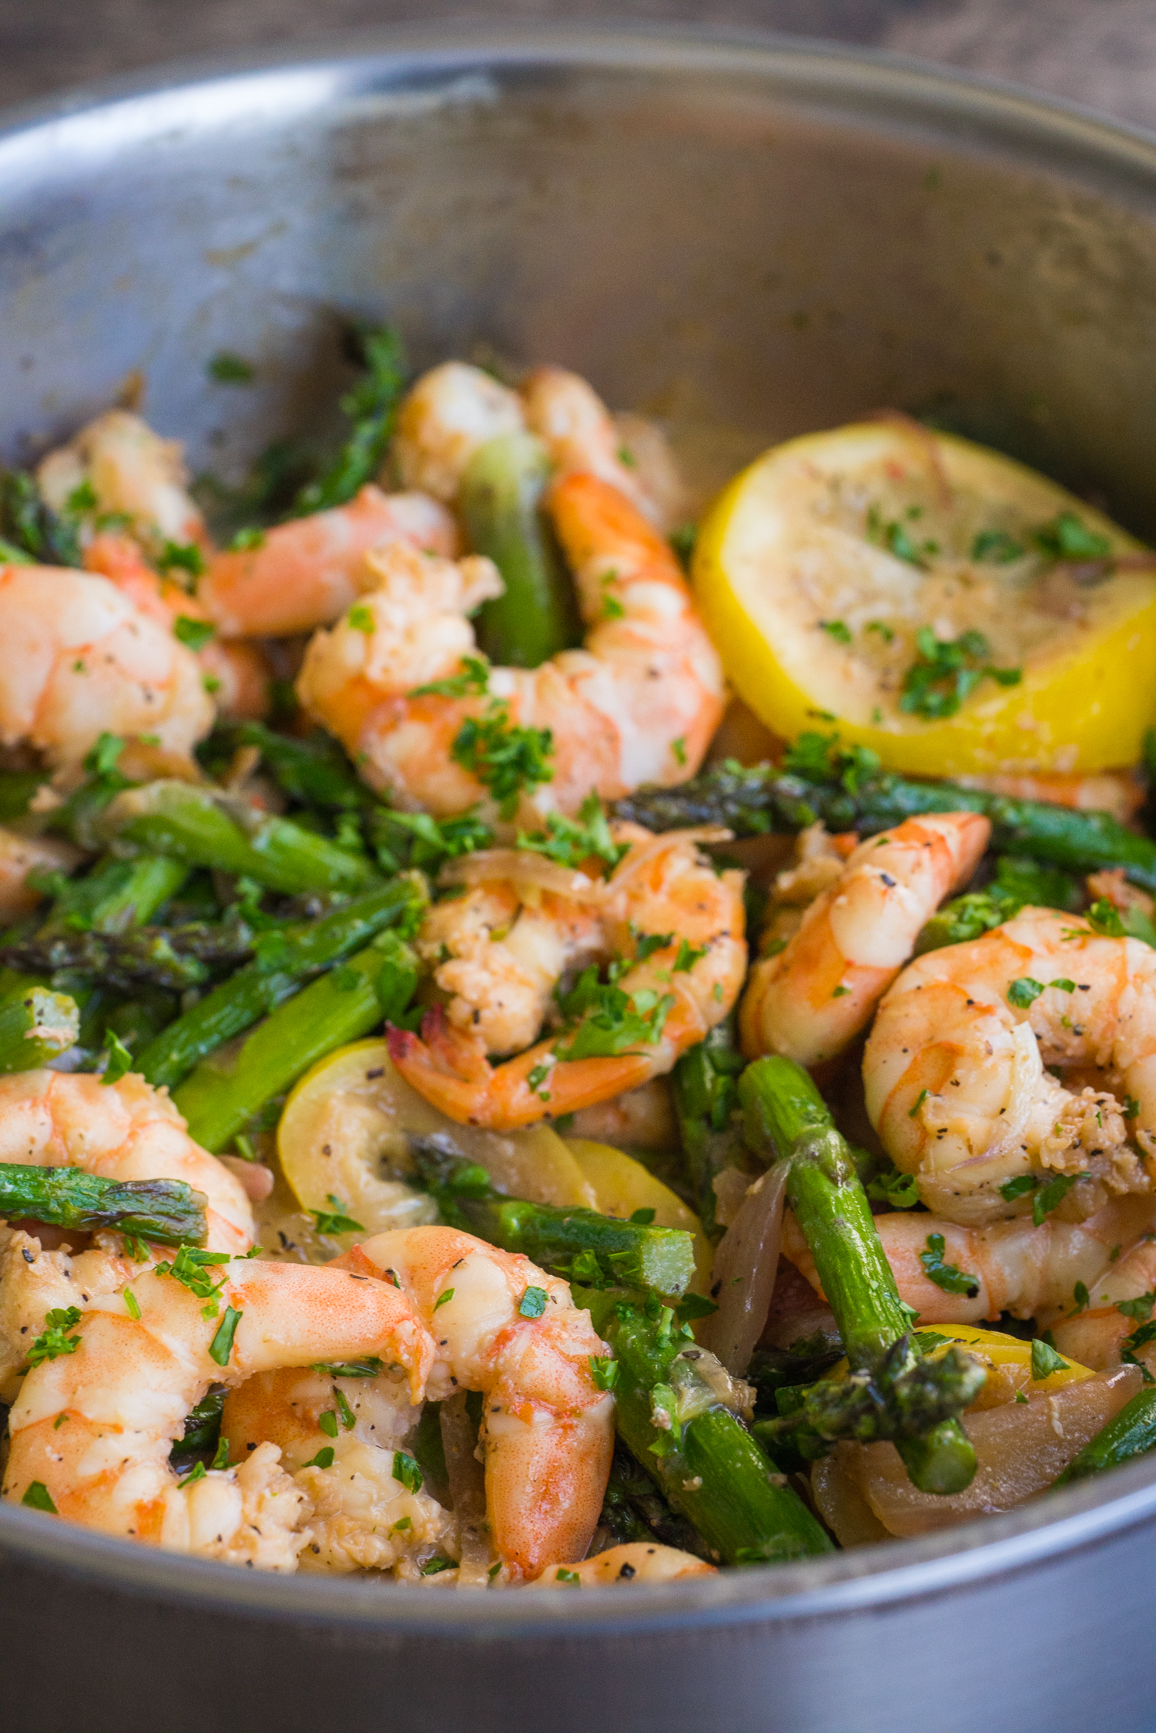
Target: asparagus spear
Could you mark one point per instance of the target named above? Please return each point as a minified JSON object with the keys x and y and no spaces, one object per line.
{"x":671,"y":1417}
{"x":166,"y":1210}
{"x":848,"y":791}
{"x":578,"y":1242}
{"x":284,"y":958}
{"x":499,"y":500}
{"x":1129,"y":1434}
{"x":205,"y":827}
{"x":36,"y":1024}
{"x":891,"y":1393}
{"x":313,"y":770}
{"x":222,"y":1094}
{"x":704,"y":1101}
{"x":634,"y":1509}
{"x":169,"y":957}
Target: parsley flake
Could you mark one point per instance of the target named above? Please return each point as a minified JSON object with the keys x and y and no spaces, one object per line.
{"x":407,"y":1471}
{"x":533,"y":1303}
{"x":1045,"y":1361}
{"x":335,"y":1221}
{"x":473,"y":679}
{"x":443,"y":1299}
{"x":323,"y":1459}
{"x":1052,"y":1194}
{"x":367,"y":1368}
{"x":573,"y":842}
{"x":996,"y":548}
{"x":194,"y":634}
{"x":132,"y":1305}
{"x":1018,"y":1187}
{"x":228,"y":369}
{"x":562,"y":1575}
{"x":506,"y":758}
{"x":119,"y":1062}
{"x":1024,"y":992}
{"x":328,"y":1423}
{"x":946,"y":1276}
{"x":836,"y":629}
{"x":946,"y":671}
{"x":1067,"y":538}
{"x":360,"y":619}
{"x":55,"y":1340}
{"x":221,"y":1345}
{"x":38,"y":1497}
{"x":678,"y":749}
{"x":604,"y":1371}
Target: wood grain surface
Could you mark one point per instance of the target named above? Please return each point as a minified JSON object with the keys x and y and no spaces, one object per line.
{"x":1098,"y":52}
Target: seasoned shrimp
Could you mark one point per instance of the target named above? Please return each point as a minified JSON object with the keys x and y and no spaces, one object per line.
{"x":636,"y":1561}
{"x":125,"y":1131}
{"x":20,"y":855}
{"x":130,"y":471}
{"x":957,"y":1067}
{"x":92,"y":1428}
{"x":363,"y":1517}
{"x":1095,"y":1334}
{"x":80,"y":659}
{"x":638,"y":704}
{"x":455,"y":409}
{"x":1015,"y":1266}
{"x":236,"y":674}
{"x":662,"y":890}
{"x":500,"y":950}
{"x":810,"y":1000}
{"x":305,"y":573}
{"x":548,"y":1432}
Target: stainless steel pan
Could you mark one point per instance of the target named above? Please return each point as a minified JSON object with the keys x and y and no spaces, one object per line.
{"x":759,"y":234}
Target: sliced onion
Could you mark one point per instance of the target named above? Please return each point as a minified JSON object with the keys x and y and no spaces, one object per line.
{"x":519,"y":866}
{"x":743,"y":1277}
{"x":467,"y":1483}
{"x":643,"y":852}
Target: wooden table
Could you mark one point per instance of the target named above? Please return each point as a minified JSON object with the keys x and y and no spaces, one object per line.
{"x":1100,"y":52}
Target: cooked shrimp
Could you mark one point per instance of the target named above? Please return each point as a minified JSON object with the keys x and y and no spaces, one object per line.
{"x":131,"y":472}
{"x":235,"y":673}
{"x":363,"y":1518}
{"x":305,"y":573}
{"x":455,"y":409}
{"x":125,"y":1131}
{"x":547,"y":1431}
{"x":636,"y":1561}
{"x":500,"y":950}
{"x":93,"y":1427}
{"x":662,"y":889}
{"x":1119,"y":792}
{"x":955,"y":1071}
{"x":1015,"y":1266}
{"x":80,"y":659}
{"x":812,"y":999}
{"x":1094,"y":1333}
{"x":444,"y":419}
{"x":20,"y":855}
{"x":638,"y":704}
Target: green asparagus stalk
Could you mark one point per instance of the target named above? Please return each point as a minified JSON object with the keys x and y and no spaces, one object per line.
{"x":204,"y":827}
{"x":500,"y":494}
{"x":17,"y":791}
{"x":166,"y":1210}
{"x":710,"y":1469}
{"x":578,"y":1242}
{"x":221,"y":1095}
{"x":284,"y":959}
{"x":891,"y":1392}
{"x":633,"y":1509}
{"x":848,"y":791}
{"x":1131,"y":1433}
{"x":313,"y":770}
{"x":372,"y":408}
{"x":1017,"y":883}
{"x":36,"y":1024}
{"x":704,"y":1100}
{"x":114,"y":896}
{"x":172,"y":958}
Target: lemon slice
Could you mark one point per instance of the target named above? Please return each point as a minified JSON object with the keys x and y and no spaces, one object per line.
{"x":820,"y":565}
{"x":345,"y":1134}
{"x":622,"y":1185}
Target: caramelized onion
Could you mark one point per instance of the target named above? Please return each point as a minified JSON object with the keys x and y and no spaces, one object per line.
{"x":518,"y":866}
{"x":743,"y":1276}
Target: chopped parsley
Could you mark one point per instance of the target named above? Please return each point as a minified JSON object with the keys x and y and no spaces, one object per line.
{"x":1053,"y":1194}
{"x":131,"y":1305}
{"x":840,"y":992}
{"x":335,"y":1221}
{"x":443,"y":1299}
{"x":1024,"y":992}
{"x":195,"y":634}
{"x":608,"y":1022}
{"x":367,"y":1368}
{"x":996,"y":548}
{"x":323,"y":1459}
{"x":1105,"y":919}
{"x":688,"y":956}
{"x":533,"y":1303}
{"x":678,"y":749}
{"x":191,"y":1267}
{"x":246,"y":541}
{"x":1139,"y":1309}
{"x":360,"y":619}
{"x":836,"y":629}
{"x":562,"y":1575}
{"x":919,"y":1100}
{"x":222,"y":1344}
{"x":196,"y":1472}
{"x":643,"y":1217}
{"x":415,"y":839}
{"x":506,"y":758}
{"x":884,"y":631}
{"x":474,"y":680}
{"x":55,"y":1339}
{"x":328,"y":1423}
{"x":890,"y":1186}
{"x":38,"y":1497}
{"x":892,"y":536}
{"x":612,"y":608}
{"x":946,"y":671}
{"x":1062,"y":985}
{"x":119,"y":1062}
{"x":572,"y":842}
{"x":946,"y":1276}
{"x":1066,"y":538}
{"x":229,"y":369}
{"x":407,"y":1471}
{"x":1020,"y":1186}
{"x":178,"y":557}
{"x":433,"y":1566}
{"x":1045,"y":1360}
{"x":82,"y":499}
